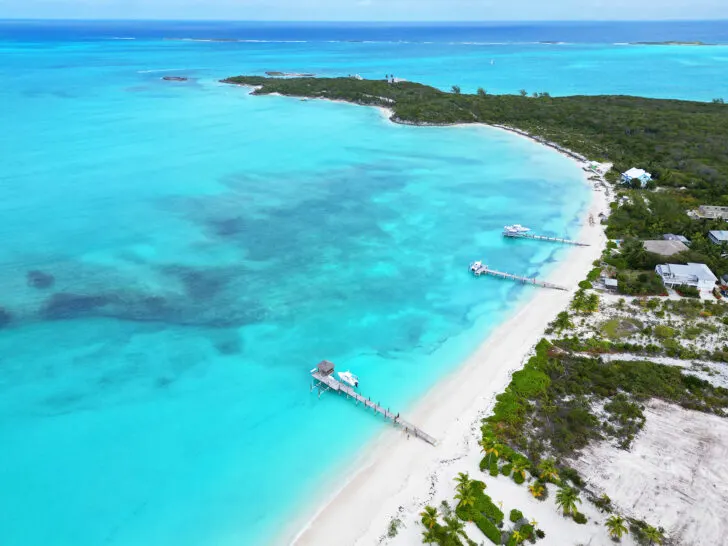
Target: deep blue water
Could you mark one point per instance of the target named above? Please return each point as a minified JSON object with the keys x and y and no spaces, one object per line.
{"x":208,"y":247}
{"x":496,"y":32}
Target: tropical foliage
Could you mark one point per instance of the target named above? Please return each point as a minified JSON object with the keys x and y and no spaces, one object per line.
{"x":567,"y":499}
{"x":616,"y":526}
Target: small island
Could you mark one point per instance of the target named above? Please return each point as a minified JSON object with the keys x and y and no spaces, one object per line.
{"x":673,"y":43}
{"x":277,"y":74}
{"x":175,"y":79}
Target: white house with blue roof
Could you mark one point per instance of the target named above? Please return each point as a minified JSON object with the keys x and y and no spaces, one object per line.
{"x":636,"y":174}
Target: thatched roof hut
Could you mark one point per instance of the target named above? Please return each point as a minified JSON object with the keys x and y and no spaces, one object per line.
{"x":325,"y":367}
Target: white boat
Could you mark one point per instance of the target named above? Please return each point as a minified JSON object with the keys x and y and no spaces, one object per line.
{"x":349,"y":378}
{"x":517,"y":228}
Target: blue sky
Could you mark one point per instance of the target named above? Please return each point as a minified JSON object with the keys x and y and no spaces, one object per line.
{"x":369,"y":10}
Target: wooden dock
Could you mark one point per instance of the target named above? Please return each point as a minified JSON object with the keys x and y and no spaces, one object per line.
{"x":518,"y":235}
{"x":479,"y":269}
{"x":323,"y":380}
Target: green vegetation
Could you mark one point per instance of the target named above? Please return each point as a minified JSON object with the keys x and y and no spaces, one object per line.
{"x":618,"y":328}
{"x":646,"y":535}
{"x":616,"y":526}
{"x":515,"y":516}
{"x":393,"y":529}
{"x":549,"y":403}
{"x":566,"y":499}
{"x":585,"y":302}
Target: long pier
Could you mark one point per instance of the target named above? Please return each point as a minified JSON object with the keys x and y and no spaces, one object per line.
{"x":519,"y":235}
{"x":323,"y":380}
{"x":479,"y":269}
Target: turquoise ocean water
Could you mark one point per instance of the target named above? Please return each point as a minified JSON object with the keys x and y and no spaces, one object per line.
{"x":207,"y":248}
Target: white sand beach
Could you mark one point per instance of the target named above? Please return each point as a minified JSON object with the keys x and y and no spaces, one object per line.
{"x":397,"y":476}
{"x":678,"y":462}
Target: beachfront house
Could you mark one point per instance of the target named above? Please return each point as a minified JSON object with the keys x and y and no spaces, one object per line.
{"x":696,"y":275}
{"x":709,"y":212}
{"x":665,"y":247}
{"x":611,"y":284}
{"x":718,"y":237}
{"x":672,"y":237}
{"x":636,"y":174}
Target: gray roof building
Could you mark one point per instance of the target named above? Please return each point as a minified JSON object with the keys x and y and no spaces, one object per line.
{"x":718,"y":236}
{"x":672,"y":237}
{"x":665,"y":248}
{"x":711,"y":212}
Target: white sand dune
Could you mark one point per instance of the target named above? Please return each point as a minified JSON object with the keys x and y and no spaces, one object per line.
{"x":674,"y":475}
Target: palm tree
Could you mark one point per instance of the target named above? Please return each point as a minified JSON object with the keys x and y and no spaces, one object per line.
{"x":653,"y":535}
{"x":429,"y":517}
{"x":464,"y":482}
{"x":519,"y":467}
{"x":591,"y":305}
{"x":548,"y":470}
{"x":537,"y":490}
{"x":455,"y":527}
{"x":429,"y":536}
{"x":533,"y":523}
{"x":490,"y":448}
{"x":616,"y":527}
{"x":518,"y":537}
{"x":465,"y":498}
{"x":566,"y":498}
{"x":563,"y":322}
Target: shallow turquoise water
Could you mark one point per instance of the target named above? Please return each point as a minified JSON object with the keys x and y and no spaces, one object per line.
{"x":208,"y":248}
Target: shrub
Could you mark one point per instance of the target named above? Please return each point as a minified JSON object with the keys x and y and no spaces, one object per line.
{"x":603,"y":503}
{"x":688,"y":291}
{"x":568,"y":473}
{"x":540,"y":533}
{"x":494,"y":468}
{"x":488,"y":528}
{"x":663,"y":332}
{"x":506,"y":469}
{"x":585,"y":285}
{"x":515,"y":515}
{"x":518,"y":478}
{"x":485,"y":505}
{"x":484,"y":464}
{"x":394,"y":525}
{"x":579,"y":518}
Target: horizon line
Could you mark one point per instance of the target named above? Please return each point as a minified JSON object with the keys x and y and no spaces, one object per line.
{"x":362,"y":21}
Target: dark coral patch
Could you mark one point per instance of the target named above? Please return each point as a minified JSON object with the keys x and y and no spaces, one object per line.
{"x":65,"y":306}
{"x":5,"y":318}
{"x":40,"y":279}
{"x":200,"y":284}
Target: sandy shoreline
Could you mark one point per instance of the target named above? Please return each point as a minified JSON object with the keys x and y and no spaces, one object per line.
{"x":395,"y":476}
